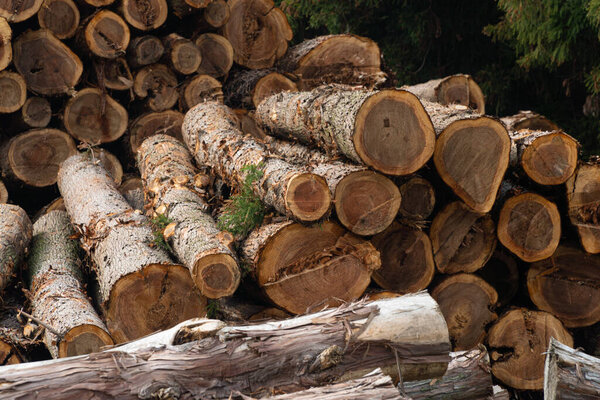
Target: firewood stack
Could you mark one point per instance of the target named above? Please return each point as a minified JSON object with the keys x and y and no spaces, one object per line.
{"x":152,"y":119}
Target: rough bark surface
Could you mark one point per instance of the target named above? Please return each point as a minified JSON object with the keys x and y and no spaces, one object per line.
{"x":406,"y":333}
{"x":15,"y":234}
{"x":211,"y":133}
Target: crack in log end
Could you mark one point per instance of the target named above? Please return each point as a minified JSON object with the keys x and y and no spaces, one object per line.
{"x":502,"y":353}
{"x":146,"y":11}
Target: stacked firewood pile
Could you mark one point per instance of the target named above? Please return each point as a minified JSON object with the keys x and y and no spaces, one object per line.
{"x":200,"y":167}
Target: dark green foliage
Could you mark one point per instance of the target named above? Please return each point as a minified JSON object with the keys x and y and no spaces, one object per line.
{"x":158,"y":224}
{"x":244,"y":211}
{"x":212,"y":309}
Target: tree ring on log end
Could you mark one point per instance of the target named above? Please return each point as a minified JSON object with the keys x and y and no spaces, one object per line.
{"x":36,"y":112}
{"x":146,"y":14}
{"x":307,"y":197}
{"x":107,"y":35}
{"x":83,"y":339}
{"x":551,"y":159}
{"x":17,"y":11}
{"x":461,"y":89}
{"x":393,"y":133}
{"x":271,"y":84}
{"x":366,"y":202}
{"x":13,"y":91}
{"x":152,"y":299}
{"x":59,"y":16}
{"x":217,"y":275}
{"x":3,"y":193}
{"x":166,"y":123}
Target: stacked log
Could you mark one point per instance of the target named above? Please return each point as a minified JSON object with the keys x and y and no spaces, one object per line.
{"x":16,"y":231}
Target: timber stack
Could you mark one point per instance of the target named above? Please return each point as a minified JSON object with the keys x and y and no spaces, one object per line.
{"x":167,"y":161}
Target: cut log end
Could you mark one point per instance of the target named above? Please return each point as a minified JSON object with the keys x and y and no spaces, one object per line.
{"x":166,"y":123}
{"x":144,"y":50}
{"x":216,"y":13}
{"x":145,"y":15}
{"x":217,"y":275}
{"x":529,"y":226}
{"x":271,"y":84}
{"x":551,"y":159}
{"x":3,"y":193}
{"x":14,"y":92}
{"x":366,"y":202}
{"x":583,"y":196}
{"x":184,"y":56}
{"x":107,"y":35}
{"x":461,"y":89}
{"x":154,"y":298}
{"x":199,"y":89}
{"x":83,"y":339}
{"x":114,"y":74}
{"x":19,"y":10}
{"x":5,"y":44}
{"x":36,"y":112}
{"x":217,"y":54}
{"x":158,"y":85}
{"x":393,"y":133}
{"x":61,"y":17}
{"x":307,"y":197}
{"x":418,"y":199}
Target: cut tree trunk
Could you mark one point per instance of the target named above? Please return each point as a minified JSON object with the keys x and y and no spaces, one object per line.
{"x":210,"y":132}
{"x":529,"y":120}
{"x":144,"y":50}
{"x":467,"y":302}
{"x":258,"y":32}
{"x":548,"y":158}
{"x":529,"y":226}
{"x":517,"y":343}
{"x":158,"y":85}
{"x":406,"y":259}
{"x":94,"y":117}
{"x":145,"y":15}
{"x":57,"y":290}
{"x":323,"y":265}
{"x":216,"y":13}
{"x":3,"y":193}
{"x":14,"y":92}
{"x":48,"y":66}
{"x":6,"y":53}
{"x":462,"y":240}
{"x":467,"y":378}
{"x":15,"y":234}
{"x":113,"y":74}
{"x":168,"y":172}
{"x":248,"y":88}
{"x":61,"y":17}
{"x":132,"y":188}
{"x":388,"y":130}
{"x":36,"y":113}
{"x":568,"y":286}
{"x":182,"y":54}
{"x":165,"y":123}
{"x":570,"y":374}
{"x":468,"y":142}
{"x":256,"y":359}
{"x":366,"y":202}
{"x":15,"y":347}
{"x":110,"y":163}
{"x":217,"y":54}
{"x":200,"y":89}
{"x":106,"y":35}
{"x":502,"y":272}
{"x":33,"y":157}
{"x":140,"y":288}
{"x":347,"y":59}
{"x":583,"y":197}
{"x":454,"y":89}
{"x":18,"y":10}
{"x":418,"y":199}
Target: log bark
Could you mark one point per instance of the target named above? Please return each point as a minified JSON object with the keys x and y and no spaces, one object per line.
{"x":529,"y":226}
{"x":467,"y":303}
{"x":145,"y":15}
{"x":570,"y":374}
{"x":14,"y":345}
{"x":33,"y":157}
{"x":517,"y":343}
{"x":387,"y":130}
{"x":323,"y":265}
{"x":61,"y":17}
{"x":462,"y":240}
{"x":210,"y":132}
{"x":3,"y":193}
{"x":132,"y":188}
{"x":15,"y":234}
{"x":418,"y":199}
{"x":140,"y":288}
{"x":258,"y":32}
{"x":217,"y":54}
{"x":17,"y":11}
{"x":94,"y":117}
{"x":567,"y":285}
{"x":6,"y":53}
{"x":365,"y":201}
{"x":57,"y":290}
{"x":48,"y":66}
{"x":158,"y":85}
{"x":248,"y":88}
{"x":454,"y":89}
{"x":106,"y":35}
{"x":182,"y":54}
{"x":113,"y":74}
{"x":110,"y":163}
{"x":466,"y":142}
{"x":529,"y":120}
{"x":57,"y":204}
{"x":257,"y":358}
{"x":144,"y":50}
{"x":165,"y":123}
{"x":200,"y":89}
{"x":467,"y":378}
{"x":502,"y":272}
{"x":168,"y":173}
{"x":583,"y":191}
{"x":346,"y":59}
{"x":36,"y":112}
{"x":548,"y":158}
{"x":14,"y":92}
{"x":407,"y":264}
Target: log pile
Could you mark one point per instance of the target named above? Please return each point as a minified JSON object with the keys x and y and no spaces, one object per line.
{"x":205,"y":166}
